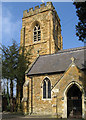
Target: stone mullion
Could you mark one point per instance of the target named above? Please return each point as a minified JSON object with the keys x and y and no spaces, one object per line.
{"x":37,"y":35}
{"x":46,"y":89}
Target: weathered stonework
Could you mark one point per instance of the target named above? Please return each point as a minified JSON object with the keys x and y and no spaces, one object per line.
{"x":40,"y":105}
{"x":70,"y":77}
{"x":61,"y":81}
{"x":47,"y":18}
{"x":57,"y":105}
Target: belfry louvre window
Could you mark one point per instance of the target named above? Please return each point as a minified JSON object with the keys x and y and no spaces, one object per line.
{"x":37,"y":33}
{"x":46,"y":89}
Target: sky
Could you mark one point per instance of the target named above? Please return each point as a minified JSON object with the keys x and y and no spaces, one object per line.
{"x":12,"y":13}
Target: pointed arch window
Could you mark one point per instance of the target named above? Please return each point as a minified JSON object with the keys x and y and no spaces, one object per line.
{"x":37,"y":33}
{"x":46,"y":89}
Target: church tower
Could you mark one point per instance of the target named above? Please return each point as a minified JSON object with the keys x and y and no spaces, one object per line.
{"x":41,"y":29}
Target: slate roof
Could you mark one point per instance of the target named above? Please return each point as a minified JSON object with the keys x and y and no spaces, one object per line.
{"x":58,"y":62}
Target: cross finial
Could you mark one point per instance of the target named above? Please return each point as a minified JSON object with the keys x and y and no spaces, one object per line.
{"x":72,"y":58}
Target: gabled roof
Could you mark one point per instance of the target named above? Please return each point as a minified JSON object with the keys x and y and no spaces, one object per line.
{"x":58,"y":62}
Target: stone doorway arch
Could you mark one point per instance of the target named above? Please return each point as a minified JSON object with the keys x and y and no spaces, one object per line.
{"x":74,"y":102}
{"x":81,"y":91}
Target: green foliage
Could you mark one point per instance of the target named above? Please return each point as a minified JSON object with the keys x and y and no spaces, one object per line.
{"x":9,"y":61}
{"x":23,"y":63}
{"x":15,"y":61}
{"x":81,"y":27}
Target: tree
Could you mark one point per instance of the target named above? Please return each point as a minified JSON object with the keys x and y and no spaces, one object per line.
{"x":9,"y":65}
{"x":23,"y":64}
{"x":15,"y":61}
{"x":81,"y":27}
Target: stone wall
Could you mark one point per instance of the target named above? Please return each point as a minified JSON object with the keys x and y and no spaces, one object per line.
{"x":51,"y":42}
{"x":71,"y":76}
{"x":34,"y":99}
{"x":60,"y":84}
{"x":40,"y":105}
{"x":47,"y":18}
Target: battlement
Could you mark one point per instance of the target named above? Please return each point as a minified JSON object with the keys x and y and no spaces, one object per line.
{"x":43,"y":7}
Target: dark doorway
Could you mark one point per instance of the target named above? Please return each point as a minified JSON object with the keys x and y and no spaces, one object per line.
{"x":74,"y":102}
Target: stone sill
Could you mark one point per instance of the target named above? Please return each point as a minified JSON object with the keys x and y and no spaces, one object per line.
{"x":35,"y":43}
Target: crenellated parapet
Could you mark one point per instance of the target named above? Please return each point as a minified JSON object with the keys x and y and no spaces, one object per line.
{"x":42,"y":8}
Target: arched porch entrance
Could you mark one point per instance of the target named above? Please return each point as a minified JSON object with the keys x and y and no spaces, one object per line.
{"x":67,"y":92}
{"x":74,"y":102}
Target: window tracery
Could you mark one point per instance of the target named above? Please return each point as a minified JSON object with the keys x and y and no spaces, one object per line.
{"x":46,"y":89}
{"x":37,"y":33}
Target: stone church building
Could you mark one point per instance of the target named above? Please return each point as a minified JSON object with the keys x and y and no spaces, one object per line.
{"x":55,"y":81}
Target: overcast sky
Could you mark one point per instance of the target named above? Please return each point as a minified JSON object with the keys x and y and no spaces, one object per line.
{"x":12,"y":13}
